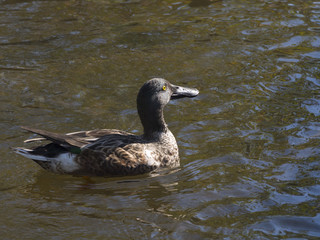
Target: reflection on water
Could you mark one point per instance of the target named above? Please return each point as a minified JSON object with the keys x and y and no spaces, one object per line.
{"x":249,"y":143}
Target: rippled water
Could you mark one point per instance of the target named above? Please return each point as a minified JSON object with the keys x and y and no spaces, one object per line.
{"x":249,"y":143}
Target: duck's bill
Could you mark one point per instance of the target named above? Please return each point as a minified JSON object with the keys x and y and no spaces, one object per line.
{"x":181,"y":92}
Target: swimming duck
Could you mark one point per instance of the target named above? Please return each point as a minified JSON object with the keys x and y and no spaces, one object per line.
{"x":114,"y":152}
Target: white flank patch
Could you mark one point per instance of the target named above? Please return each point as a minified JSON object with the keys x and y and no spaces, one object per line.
{"x":66,"y":162}
{"x":150,"y":159}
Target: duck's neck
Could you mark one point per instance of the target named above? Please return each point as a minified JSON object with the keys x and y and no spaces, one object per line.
{"x":153,"y":122}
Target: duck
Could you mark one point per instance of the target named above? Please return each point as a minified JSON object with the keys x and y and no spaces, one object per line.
{"x":109,"y":152}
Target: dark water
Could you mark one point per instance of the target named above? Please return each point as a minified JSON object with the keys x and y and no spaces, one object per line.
{"x":249,"y":143}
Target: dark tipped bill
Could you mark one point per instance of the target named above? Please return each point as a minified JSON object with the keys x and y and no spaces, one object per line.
{"x":181,"y":92}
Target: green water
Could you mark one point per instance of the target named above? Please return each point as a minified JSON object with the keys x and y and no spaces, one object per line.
{"x":249,"y":143}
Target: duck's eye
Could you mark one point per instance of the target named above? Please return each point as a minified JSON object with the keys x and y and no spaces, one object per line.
{"x":164,"y":88}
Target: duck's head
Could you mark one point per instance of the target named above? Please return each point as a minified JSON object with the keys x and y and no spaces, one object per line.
{"x":152,"y":98}
{"x":159,"y":92}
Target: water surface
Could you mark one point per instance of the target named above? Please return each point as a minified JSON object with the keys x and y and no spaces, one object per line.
{"x":249,"y":143}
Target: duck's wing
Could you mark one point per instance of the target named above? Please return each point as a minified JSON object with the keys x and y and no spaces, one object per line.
{"x":115,"y":157}
{"x":63,"y":140}
{"x":78,"y":139}
{"x":79,"y":152}
{"x":93,"y":135}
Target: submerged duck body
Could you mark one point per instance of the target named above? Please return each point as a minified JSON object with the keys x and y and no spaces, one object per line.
{"x":114,"y":152}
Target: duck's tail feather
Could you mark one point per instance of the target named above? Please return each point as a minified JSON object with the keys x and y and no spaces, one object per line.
{"x":29,"y":153}
{"x":59,"y":162}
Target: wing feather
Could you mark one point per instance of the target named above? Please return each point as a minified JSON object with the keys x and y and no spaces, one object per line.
{"x":58,"y":138}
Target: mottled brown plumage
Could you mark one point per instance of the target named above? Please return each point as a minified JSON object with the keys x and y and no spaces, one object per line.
{"x":114,"y":152}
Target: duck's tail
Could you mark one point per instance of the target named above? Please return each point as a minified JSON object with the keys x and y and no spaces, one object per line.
{"x":62,"y":162}
{"x":29,"y":153}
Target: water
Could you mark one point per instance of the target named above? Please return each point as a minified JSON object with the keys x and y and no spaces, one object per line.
{"x":249,"y":143}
